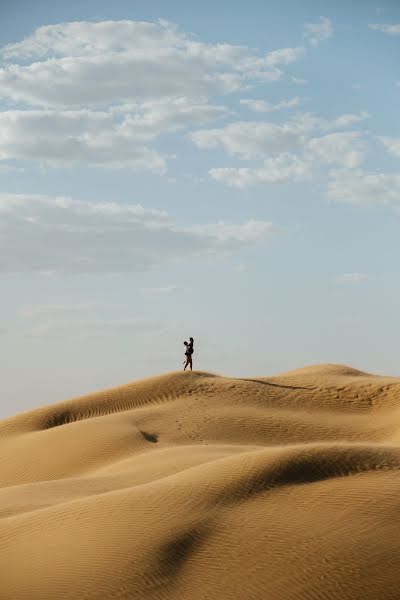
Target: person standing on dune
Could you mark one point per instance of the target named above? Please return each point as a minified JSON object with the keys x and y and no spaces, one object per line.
{"x":188,"y":353}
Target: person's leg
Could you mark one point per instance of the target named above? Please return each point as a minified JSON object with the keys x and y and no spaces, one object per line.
{"x":186,"y":363}
{"x":191,"y":364}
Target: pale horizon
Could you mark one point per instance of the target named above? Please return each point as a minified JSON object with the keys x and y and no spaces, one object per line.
{"x":225,"y":172}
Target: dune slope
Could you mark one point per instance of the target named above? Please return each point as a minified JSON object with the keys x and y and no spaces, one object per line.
{"x":191,"y":486}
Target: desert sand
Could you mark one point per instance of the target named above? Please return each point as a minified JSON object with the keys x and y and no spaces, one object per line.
{"x":192,"y":486}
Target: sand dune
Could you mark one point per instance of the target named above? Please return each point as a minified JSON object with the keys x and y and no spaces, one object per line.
{"x":190,"y":486}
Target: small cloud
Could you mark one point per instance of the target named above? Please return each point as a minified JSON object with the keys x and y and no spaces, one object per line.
{"x":61,"y":310}
{"x":263,"y":106}
{"x":155,"y":291}
{"x":357,"y":186}
{"x":285,"y":167}
{"x":85,"y":238}
{"x":4,"y":168}
{"x":299,"y":80}
{"x":389,"y":29}
{"x":240,"y":268}
{"x":350,"y":278}
{"x":83,"y":328}
{"x":391,"y":144}
{"x":317,"y":32}
{"x":193,"y":178}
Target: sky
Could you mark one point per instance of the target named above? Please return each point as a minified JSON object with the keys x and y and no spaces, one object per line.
{"x":227,"y":171}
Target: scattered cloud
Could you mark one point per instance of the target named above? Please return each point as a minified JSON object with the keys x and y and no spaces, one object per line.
{"x":315,"y":33}
{"x":127,"y":61}
{"x":345,"y":148}
{"x":298,"y":80}
{"x":240,"y":268}
{"x":62,"y":235}
{"x":86,"y":319}
{"x":5,"y":168}
{"x":262,"y":106}
{"x":156,"y":291}
{"x":357,"y":186}
{"x":61,"y":310}
{"x":112,"y":138}
{"x":249,"y":139}
{"x":81,"y":328}
{"x":100,"y":94}
{"x":285,"y":167}
{"x":349,"y":119}
{"x":284,"y":56}
{"x":255,"y":139}
{"x":391,"y":144}
{"x":193,"y":178}
{"x":350,"y":278}
{"x":292,"y":150}
{"x":393,"y":29}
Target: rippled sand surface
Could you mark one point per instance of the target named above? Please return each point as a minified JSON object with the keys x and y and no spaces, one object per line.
{"x":191,"y":486}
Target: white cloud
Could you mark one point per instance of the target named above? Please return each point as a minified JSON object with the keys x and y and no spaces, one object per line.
{"x":317,"y":32}
{"x":284,"y":56}
{"x":263,"y":106}
{"x":391,"y":144}
{"x":193,"y":178}
{"x":7,"y":168}
{"x":61,"y":235}
{"x":60,"y":310}
{"x":357,"y":186}
{"x":249,"y":139}
{"x":113,"y":138}
{"x":393,"y":29}
{"x":344,"y":148}
{"x":85,"y":63}
{"x":86,"y":319}
{"x":241,"y":268}
{"x":81,"y":328}
{"x":255,"y":139}
{"x":70,"y":138}
{"x":229,"y":234}
{"x":284,"y":167}
{"x":308,"y":122}
{"x":82,"y":38}
{"x":350,"y":278}
{"x":100,"y":94}
{"x":349,"y":119}
{"x":156,"y":291}
{"x":290,"y":150}
{"x":298,"y":80}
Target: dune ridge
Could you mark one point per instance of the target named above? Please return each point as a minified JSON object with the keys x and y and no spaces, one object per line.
{"x":193,"y":486}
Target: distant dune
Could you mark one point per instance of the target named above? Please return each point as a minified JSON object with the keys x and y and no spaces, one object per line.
{"x":191,"y":486}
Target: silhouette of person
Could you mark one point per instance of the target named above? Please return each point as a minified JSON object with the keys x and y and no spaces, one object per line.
{"x":188,"y":353}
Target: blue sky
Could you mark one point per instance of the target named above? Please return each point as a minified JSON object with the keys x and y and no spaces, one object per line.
{"x":224,"y":170}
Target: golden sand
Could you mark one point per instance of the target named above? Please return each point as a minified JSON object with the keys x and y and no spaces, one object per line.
{"x":190,"y":486}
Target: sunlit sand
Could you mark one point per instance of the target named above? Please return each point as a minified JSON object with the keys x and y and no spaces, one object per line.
{"x":191,"y":486}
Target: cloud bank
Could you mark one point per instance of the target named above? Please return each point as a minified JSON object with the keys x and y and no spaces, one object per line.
{"x":61,"y":235}
{"x":101,"y":94}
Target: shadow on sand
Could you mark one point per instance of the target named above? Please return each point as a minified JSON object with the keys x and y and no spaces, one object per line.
{"x":289,"y":387}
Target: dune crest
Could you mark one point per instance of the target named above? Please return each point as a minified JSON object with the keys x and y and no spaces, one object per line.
{"x":193,"y":486}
